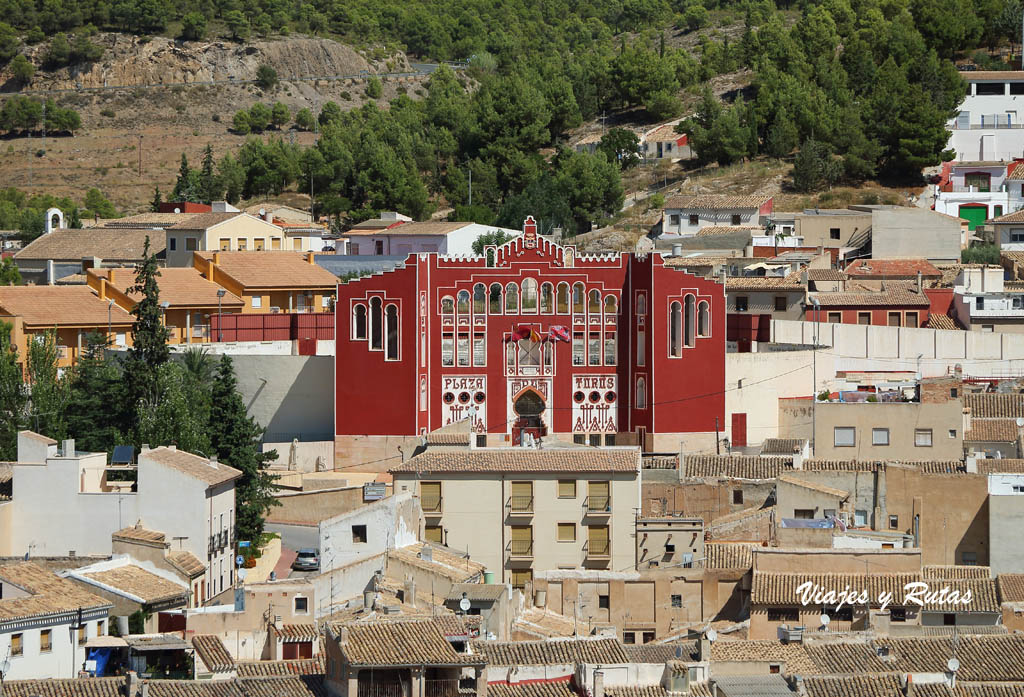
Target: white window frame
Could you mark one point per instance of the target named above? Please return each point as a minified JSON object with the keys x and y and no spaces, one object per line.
{"x":876,"y":432}
{"x":847,"y":430}
{"x":921,"y":435}
{"x":257,"y":301}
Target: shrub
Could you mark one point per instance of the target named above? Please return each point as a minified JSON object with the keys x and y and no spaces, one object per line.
{"x":374,"y":88}
{"x":266,"y":77}
{"x":108,"y":112}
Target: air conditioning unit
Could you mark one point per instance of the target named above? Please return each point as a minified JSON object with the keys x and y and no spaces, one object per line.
{"x":275,"y":310}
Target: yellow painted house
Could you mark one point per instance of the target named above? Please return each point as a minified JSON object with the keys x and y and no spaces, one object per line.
{"x":191,"y":299}
{"x":73,"y":312}
{"x":227,"y":232}
{"x":270,"y":281}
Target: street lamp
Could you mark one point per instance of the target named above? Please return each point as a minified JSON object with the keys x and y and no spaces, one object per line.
{"x":220,"y":318}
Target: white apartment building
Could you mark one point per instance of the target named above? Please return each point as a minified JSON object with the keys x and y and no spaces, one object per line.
{"x":45,"y":623}
{"x":983,"y":302}
{"x":453,"y":239}
{"x":686,"y":214}
{"x":189,"y":498}
{"x":980,"y":191}
{"x":988,"y":125}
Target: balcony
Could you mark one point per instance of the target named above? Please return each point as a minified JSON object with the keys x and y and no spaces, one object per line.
{"x":382,"y":689}
{"x":597,"y":506}
{"x":432,"y":506}
{"x":520,"y":549}
{"x":520,"y":505}
{"x":597,"y":551}
{"x":446,"y":688}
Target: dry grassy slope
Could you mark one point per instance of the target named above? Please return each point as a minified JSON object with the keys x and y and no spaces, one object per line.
{"x":172,"y":120}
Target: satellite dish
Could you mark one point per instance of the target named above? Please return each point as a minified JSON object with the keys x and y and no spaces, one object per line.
{"x":712,"y":635}
{"x":177,"y":210}
{"x":953,"y":665}
{"x":464,"y":604}
{"x":1020,"y":422}
{"x":263,"y":212}
{"x":825,"y":619}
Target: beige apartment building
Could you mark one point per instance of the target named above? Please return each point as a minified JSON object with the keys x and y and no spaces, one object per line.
{"x":226,"y":232}
{"x":520,"y":510}
{"x":880,"y":431}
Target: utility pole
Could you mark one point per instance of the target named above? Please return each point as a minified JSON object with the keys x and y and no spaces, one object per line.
{"x":140,"y":156}
{"x":718,"y":447}
{"x":471,"y":186}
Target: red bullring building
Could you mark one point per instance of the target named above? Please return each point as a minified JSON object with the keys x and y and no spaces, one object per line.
{"x":530,"y":338}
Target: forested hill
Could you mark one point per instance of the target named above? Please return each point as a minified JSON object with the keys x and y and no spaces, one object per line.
{"x":870,"y":81}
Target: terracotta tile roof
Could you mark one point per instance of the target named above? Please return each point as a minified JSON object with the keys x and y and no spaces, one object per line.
{"x":654,"y":653}
{"x":194,"y":466}
{"x":1015,"y":217}
{"x":180,"y":286}
{"x":269,"y":269}
{"x":712,"y":230}
{"x":663,"y":133}
{"x":136,"y":583}
{"x":994,"y":406}
{"x":942,"y":467}
{"x":301,"y":631}
{"x":853,"y":686}
{"x":892,"y":268}
{"x":949,"y":572}
{"x":735,"y":466}
{"x":187,"y":563}
{"x":790,"y":282}
{"x":447,"y":438}
{"x":65,"y":687}
{"x":298,"y":686}
{"x":896,"y":294}
{"x":439,"y":227}
{"x":551,"y":652}
{"x":305,"y":666}
{"x":146,"y":220}
{"x":109,"y":244}
{"x":1011,"y":588}
{"x":993,"y":430}
{"x":402,"y":643}
{"x":1001,"y":466}
{"x":211,"y":649}
{"x":729,"y":555}
{"x":818,"y":464}
{"x":204,"y":221}
{"x":192,"y":688}
{"x":697,"y":260}
{"x":793,"y":655}
{"x":825,"y":275}
{"x":781,"y":446}
{"x":940,"y":321}
{"x":442,"y":561}
{"x":542,"y":623}
{"x":821,"y":488}
{"x":524,"y":460}
{"x":543,"y":688}
{"x":137,"y":533}
{"x":477,"y":591}
{"x":738,"y":516}
{"x":37,"y":437}
{"x":697,"y":689}
{"x":715,"y":201}
{"x":65,"y":306}
{"x":48,"y":593}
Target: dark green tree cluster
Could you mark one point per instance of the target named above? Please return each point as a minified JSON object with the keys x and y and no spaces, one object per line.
{"x":259,"y":117}
{"x":27,"y":214}
{"x":79,"y":49}
{"x":24,"y":115}
{"x":195,"y":185}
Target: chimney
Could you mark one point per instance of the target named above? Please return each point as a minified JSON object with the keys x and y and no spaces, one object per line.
{"x":50,"y":273}
{"x":967,"y":420}
{"x":821,"y":249}
{"x":409,"y":594}
{"x":110,"y":275}
{"x":216,"y":258}
{"x":131,"y":684}
{"x":704,"y":649}
{"x":103,"y":289}
{"x":343,"y":639}
{"x":368,"y":597}
{"x":211,"y":264}
{"x":910,"y":686}
{"x":677,"y":250}
{"x":69,"y":447}
{"x":919,"y":280}
{"x":598,"y":683}
{"x":722,"y":276}
{"x":145,"y":690}
{"x":311,"y":258}
{"x":798,"y":460}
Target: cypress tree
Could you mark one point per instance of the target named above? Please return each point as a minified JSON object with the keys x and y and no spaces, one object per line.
{"x":149,"y":335}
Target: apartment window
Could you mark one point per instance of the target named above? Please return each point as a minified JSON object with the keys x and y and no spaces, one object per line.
{"x":301,"y":605}
{"x":430,"y":497}
{"x":911,"y":320}
{"x":521,"y":497}
{"x":953,"y":393}
{"x":949,"y":619}
{"x":225,"y":244}
{"x":521,"y":577}
{"x":783,"y":614}
{"x":257,"y":301}
{"x":602,"y":602}
{"x":894,"y":319}
{"x":648,"y":637}
{"x":566,"y":488}
{"x":735,"y":219}
{"x":1017,"y":235}
{"x":628,"y":638}
{"x":879,"y":436}
{"x":694,"y":220}
{"x":17,"y":644}
{"x":923,"y":437}
{"x":448,"y":351}
{"x":598,"y":496}
{"x":863,"y":318}
{"x":894,"y":522}
{"x":172,"y":243}
{"x":833,"y":233}
{"x":579,"y":438}
{"x":844,"y":436}
{"x":359,"y":534}
{"x":860,"y":518}
{"x":45,"y":641}
{"x":433,"y":533}
{"x":567,"y":532}
{"x":297,"y":245}
{"x":594,"y":439}
{"x":952,"y":433}
{"x":969,"y":558}
{"x":598,"y":541}
{"x":835,"y":317}
{"x":803,"y":513}
{"x":674,"y":220}
{"x":677,"y":601}
{"x":737,"y":496}
{"x":979,"y":303}
{"x":774,"y":668}
{"x":275,"y":243}
{"x":741,"y":303}
{"x":521,"y":540}
{"x":243,"y":244}
{"x":780,"y":303}
{"x":82,"y":635}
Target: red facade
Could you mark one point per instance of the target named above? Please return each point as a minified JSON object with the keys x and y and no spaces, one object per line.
{"x":531,"y":338}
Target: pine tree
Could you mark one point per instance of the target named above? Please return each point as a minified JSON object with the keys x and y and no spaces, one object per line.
{"x":95,"y":399}
{"x":207,"y":178}
{"x":48,"y":390}
{"x":12,"y":395}
{"x":235,"y":439}
{"x":182,"y":187}
{"x":149,"y":335}
{"x":157,"y":200}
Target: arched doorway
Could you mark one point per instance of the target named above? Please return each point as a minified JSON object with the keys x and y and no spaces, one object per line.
{"x":529,"y":407}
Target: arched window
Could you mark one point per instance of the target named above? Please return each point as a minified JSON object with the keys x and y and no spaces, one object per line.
{"x":376,"y":330}
{"x":495,"y":299}
{"x":641,"y":393}
{"x":511,"y":299}
{"x":562,"y":299}
{"x":675,"y":330}
{"x":641,"y":304}
{"x":689,"y":320}
{"x":359,"y":322}
{"x":479,"y":299}
{"x":463,"y":304}
{"x":529,"y":295}
{"x":447,"y":307}
{"x":578,"y":301}
{"x":391,"y":320}
{"x":547,"y":299}
{"x":510,"y":355}
{"x":423,"y":394}
{"x":703,"y":319}
{"x":610,"y":306}
{"x":594,"y":306}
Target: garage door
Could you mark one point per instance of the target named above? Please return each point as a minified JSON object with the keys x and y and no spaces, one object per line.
{"x":974,"y":215}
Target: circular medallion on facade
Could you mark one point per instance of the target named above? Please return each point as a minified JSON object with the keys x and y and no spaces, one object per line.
{"x":595,"y":396}
{"x":579,"y":396}
{"x":479,"y":397}
{"x":464,"y":398}
{"x":609,"y":396}
{"x":448,"y":397}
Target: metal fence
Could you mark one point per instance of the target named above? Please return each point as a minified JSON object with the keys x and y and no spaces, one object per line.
{"x":283,"y":326}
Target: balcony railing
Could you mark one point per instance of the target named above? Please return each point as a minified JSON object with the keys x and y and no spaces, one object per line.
{"x":431,"y":505}
{"x":597,"y":505}
{"x":521,"y":549}
{"x":443,"y":688}
{"x":382,"y":689}
{"x":520,"y":505}
{"x":598,"y":550}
